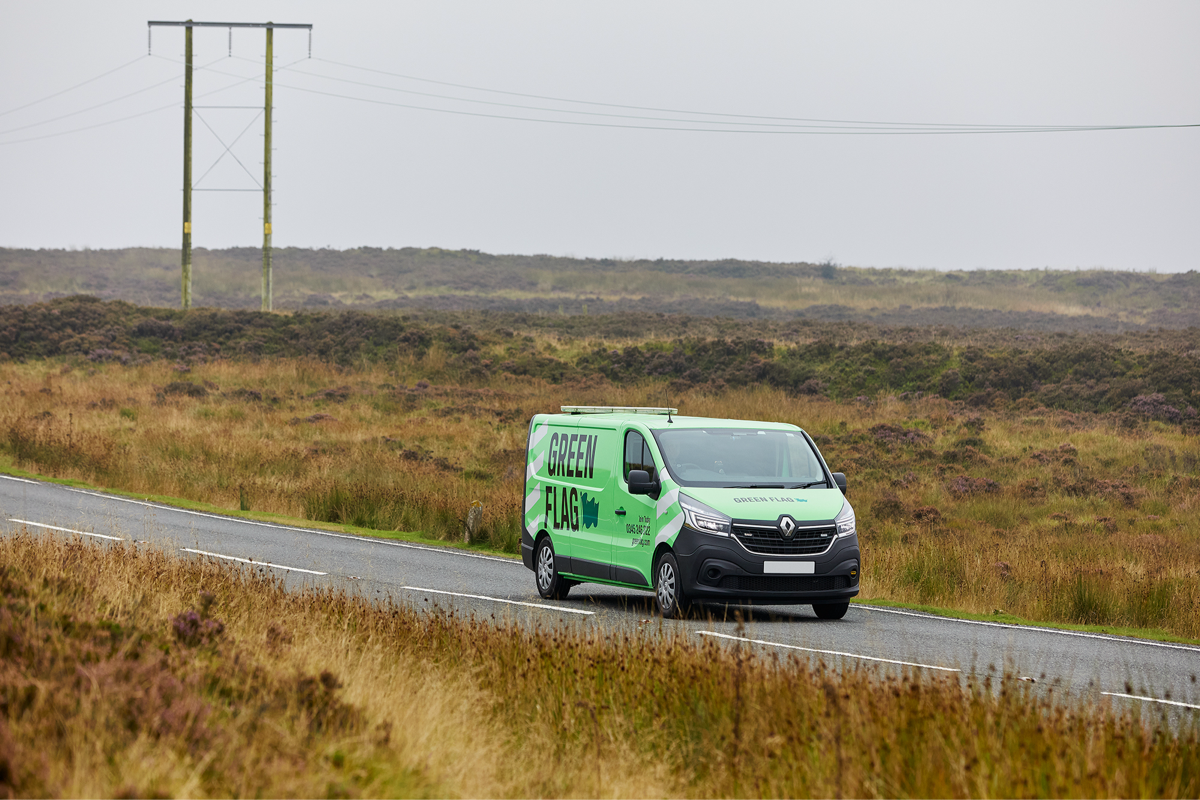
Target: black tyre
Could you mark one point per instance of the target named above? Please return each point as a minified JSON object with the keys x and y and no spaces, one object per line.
{"x":550,"y":584}
{"x":668,"y":588}
{"x":831,"y":610}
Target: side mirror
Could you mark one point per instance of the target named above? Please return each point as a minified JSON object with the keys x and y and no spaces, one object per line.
{"x":840,"y":479}
{"x":640,"y":483}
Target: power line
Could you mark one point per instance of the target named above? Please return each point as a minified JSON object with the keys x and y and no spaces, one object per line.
{"x":811,"y":130}
{"x":537,"y":108}
{"x":99,"y":105}
{"x":570,"y":100}
{"x":150,"y":111}
{"x":989,"y":128}
{"x":90,"y":127}
{"x":72,"y":88}
{"x":91,"y":108}
{"x":733,"y":124}
{"x":813,"y":126}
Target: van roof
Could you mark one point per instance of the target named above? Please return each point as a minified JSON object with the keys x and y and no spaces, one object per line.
{"x":659,"y":418}
{"x":618,"y":410}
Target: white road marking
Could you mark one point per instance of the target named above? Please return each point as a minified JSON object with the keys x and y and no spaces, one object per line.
{"x":454,"y":552}
{"x":22,"y":480}
{"x":250,"y":561}
{"x":826,"y":652}
{"x":1152,"y":700}
{"x":1101,"y":636}
{"x":501,"y":600}
{"x":67,"y":530}
{"x":367,"y":539}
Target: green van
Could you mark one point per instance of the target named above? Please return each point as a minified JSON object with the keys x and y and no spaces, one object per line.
{"x":692,"y":508}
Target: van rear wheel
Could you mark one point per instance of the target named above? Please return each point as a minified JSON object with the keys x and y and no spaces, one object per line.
{"x":831,"y":610}
{"x":550,"y":584}
{"x":668,"y":588}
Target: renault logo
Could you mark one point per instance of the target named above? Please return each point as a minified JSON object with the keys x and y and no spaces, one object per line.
{"x":787,"y":526}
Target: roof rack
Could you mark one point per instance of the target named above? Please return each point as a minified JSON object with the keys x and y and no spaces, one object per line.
{"x":618,"y":410}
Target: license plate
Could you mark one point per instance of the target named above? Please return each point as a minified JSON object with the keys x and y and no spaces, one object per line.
{"x":789,"y":567}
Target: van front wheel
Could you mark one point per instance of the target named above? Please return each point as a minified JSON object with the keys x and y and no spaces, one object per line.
{"x":668,"y":588}
{"x":831,"y":610}
{"x":550,"y":584}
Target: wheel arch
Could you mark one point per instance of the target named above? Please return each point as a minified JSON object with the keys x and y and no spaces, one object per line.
{"x":662,"y":548}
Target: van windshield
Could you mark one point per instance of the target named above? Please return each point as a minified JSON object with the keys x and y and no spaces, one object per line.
{"x":737,"y":458}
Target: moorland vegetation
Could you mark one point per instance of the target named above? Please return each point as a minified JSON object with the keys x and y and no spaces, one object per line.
{"x":420,"y":279}
{"x":130,"y":672}
{"x":1072,"y":371}
{"x":1050,"y":476}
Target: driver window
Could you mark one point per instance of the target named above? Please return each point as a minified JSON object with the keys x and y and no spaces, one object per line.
{"x":637,"y":455}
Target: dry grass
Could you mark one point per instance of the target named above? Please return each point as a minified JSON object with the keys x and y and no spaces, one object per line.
{"x":104,"y":696}
{"x":130,"y":672}
{"x":366,"y":275}
{"x":1043,"y":514}
{"x":861,"y":289}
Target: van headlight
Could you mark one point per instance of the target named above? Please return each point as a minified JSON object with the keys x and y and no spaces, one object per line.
{"x":705,"y":519}
{"x":845,"y":521}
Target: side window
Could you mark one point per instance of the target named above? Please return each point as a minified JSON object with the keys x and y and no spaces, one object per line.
{"x":637,"y":455}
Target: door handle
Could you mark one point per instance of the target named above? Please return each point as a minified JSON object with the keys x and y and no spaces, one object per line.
{"x":620,"y":512}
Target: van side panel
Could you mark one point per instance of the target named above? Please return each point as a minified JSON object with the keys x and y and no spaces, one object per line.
{"x":634,"y":536}
{"x":588,"y":490}
{"x":542,"y":488}
{"x":573,"y":489}
{"x":569,"y":480}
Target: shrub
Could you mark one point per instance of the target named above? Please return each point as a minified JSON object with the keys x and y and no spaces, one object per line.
{"x":192,"y":630}
{"x":185,"y":388}
{"x":886,"y":433}
{"x":1155,"y":406}
{"x":967,"y":486}
{"x":888,"y":507}
{"x":926,"y":515}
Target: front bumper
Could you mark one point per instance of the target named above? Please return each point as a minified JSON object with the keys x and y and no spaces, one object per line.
{"x":719,"y":568}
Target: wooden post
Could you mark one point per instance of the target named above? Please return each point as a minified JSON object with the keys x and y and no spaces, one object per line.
{"x":266,"y":273}
{"x":186,"y":299}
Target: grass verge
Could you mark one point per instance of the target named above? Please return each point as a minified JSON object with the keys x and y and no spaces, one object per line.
{"x":1074,"y":519}
{"x":132,"y":672}
{"x":415,"y":537}
{"x":1010,"y":619}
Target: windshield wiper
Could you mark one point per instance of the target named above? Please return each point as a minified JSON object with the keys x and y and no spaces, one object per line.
{"x":806,"y":485}
{"x":759,"y":486}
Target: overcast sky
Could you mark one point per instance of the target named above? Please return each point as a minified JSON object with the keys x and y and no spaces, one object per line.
{"x":350,"y":173}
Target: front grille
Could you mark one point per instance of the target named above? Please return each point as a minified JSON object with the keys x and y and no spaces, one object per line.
{"x":770,"y":542}
{"x":785,"y":583}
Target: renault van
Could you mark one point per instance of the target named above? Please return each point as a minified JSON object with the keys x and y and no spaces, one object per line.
{"x":691,"y":508}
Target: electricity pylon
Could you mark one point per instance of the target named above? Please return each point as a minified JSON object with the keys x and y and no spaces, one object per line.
{"x":267,"y":277}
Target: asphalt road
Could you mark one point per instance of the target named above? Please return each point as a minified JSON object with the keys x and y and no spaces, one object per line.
{"x":1161,"y":677}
